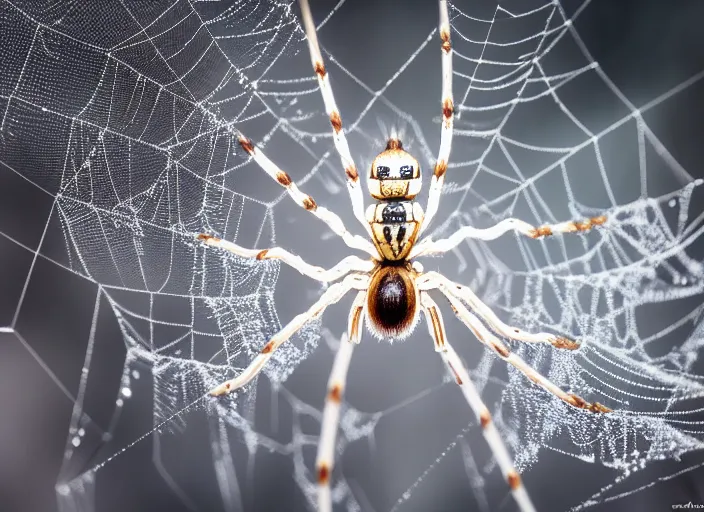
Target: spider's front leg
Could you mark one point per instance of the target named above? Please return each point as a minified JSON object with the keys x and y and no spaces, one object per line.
{"x":491,"y":434}
{"x":347,"y":265}
{"x":330,"y":296}
{"x":429,"y":246}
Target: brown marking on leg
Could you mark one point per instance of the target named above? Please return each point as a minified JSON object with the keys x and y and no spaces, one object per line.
{"x":269,"y":347}
{"x":541,"y":231}
{"x":351,"y":173}
{"x":262,"y":254}
{"x":565,"y":343}
{"x":354,"y":330}
{"x":583,"y":226}
{"x":309,"y":204}
{"x":457,"y":377}
{"x":445,"y":38}
{"x":283,"y":179}
{"x":207,"y":238}
{"x":513,"y":479}
{"x":599,"y":408}
{"x":598,"y":221}
{"x":448,"y":109}
{"x":437,"y":328}
{"x":246,"y":144}
{"x":335,"y":393}
{"x":501,"y":349}
{"x":440,"y":169}
{"x":485,"y":418}
{"x":336,"y":121}
{"x":577,"y":401}
{"x":323,"y":474}
{"x":319,"y":69}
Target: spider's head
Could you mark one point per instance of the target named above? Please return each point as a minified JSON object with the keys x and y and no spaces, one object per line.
{"x":395,"y":174}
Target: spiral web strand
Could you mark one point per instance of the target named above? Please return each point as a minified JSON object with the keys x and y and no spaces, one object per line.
{"x":118,"y":141}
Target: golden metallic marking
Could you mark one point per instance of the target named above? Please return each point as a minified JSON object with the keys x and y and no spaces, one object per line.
{"x":320,"y":69}
{"x":336,"y":121}
{"x":582,"y":226}
{"x":269,"y":347}
{"x":598,"y":221}
{"x":440,"y":169}
{"x":323,"y":474}
{"x":262,"y":254}
{"x":597,"y":407}
{"x":246,"y":145}
{"x":283,"y":178}
{"x":513,"y":479}
{"x":457,"y":377}
{"x":309,"y":204}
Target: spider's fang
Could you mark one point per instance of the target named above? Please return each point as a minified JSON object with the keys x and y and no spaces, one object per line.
{"x":565,"y":343}
{"x":394,"y":144}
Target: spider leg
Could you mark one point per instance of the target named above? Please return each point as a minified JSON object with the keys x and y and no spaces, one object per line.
{"x":429,"y":246}
{"x":473,"y":398}
{"x":347,"y":265}
{"x":338,"y":135}
{"x":448,"y":110}
{"x":333,"y":294}
{"x":331,"y":412}
{"x":465,"y":294}
{"x":490,"y":340}
{"x":305,"y":201}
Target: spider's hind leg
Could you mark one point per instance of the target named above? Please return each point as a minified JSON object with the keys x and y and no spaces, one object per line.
{"x":473,"y":398}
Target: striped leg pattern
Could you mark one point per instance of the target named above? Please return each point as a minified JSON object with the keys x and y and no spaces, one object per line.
{"x":466,"y":295}
{"x":333,"y":294}
{"x":473,"y":398}
{"x":429,"y":246}
{"x":347,"y":265}
{"x":305,"y":201}
{"x":353,"y":183}
{"x":448,"y":111}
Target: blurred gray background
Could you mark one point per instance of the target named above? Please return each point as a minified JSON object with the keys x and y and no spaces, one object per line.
{"x":646,"y":47}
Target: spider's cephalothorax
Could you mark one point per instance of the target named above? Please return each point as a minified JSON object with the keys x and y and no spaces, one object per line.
{"x":395,"y":221}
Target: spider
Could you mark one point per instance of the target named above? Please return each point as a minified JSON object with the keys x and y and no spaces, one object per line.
{"x":392,"y":288}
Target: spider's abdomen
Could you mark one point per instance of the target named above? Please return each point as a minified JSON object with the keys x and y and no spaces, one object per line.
{"x":395,"y":226}
{"x":392,"y":301}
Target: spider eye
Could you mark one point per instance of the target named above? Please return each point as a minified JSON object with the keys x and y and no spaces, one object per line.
{"x":382,"y":172}
{"x":406,"y":172}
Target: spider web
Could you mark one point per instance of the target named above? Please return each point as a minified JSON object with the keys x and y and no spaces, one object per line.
{"x":117,"y":147}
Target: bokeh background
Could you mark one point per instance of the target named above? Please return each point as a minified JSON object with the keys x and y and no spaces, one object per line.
{"x":645,"y":47}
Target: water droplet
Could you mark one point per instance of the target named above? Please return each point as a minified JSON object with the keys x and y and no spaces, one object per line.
{"x":126,"y":392}
{"x":76,"y":441}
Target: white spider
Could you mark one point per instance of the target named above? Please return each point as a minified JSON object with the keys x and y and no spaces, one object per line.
{"x":392,"y":288}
